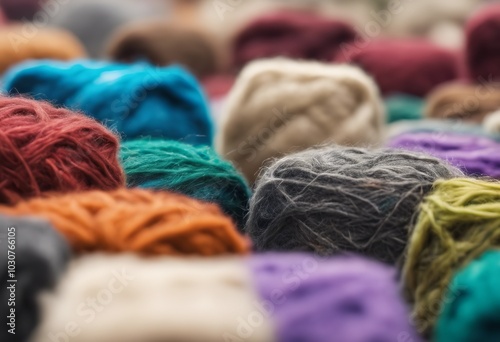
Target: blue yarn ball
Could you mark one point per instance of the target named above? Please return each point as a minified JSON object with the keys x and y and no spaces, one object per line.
{"x":134,"y":100}
{"x":471,"y":311}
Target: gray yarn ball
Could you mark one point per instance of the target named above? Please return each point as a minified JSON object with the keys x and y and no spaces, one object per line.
{"x":41,"y":255}
{"x":334,"y":199}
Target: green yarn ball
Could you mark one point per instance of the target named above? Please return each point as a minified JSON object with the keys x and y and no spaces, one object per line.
{"x":197,"y":172}
{"x":471,"y":310}
{"x":404,"y":107}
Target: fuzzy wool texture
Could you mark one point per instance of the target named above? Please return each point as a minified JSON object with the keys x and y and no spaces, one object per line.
{"x":279,"y":106}
{"x":467,"y":102}
{"x":140,"y":221}
{"x":136,"y":101}
{"x":163,"y":43}
{"x":340,"y":299}
{"x":476,"y":156}
{"x":473,"y":301}
{"x":457,"y":223}
{"x":47,"y":43}
{"x":161,"y":299}
{"x":44,"y":149}
{"x":193,"y":171}
{"x":411,"y":66}
{"x":40,"y":256}
{"x":335,"y":199}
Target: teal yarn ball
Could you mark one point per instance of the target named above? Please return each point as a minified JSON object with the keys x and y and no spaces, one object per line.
{"x":404,"y":107}
{"x":195,"y":171}
{"x":471,"y":310}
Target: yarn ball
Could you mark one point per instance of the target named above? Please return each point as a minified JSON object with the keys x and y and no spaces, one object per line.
{"x":19,"y":43}
{"x":279,"y":106}
{"x":404,"y":107}
{"x":141,"y":221}
{"x":22,"y":9}
{"x":44,"y":149}
{"x":156,"y":299}
{"x":135,"y":100}
{"x":457,"y":101}
{"x":289,"y":33}
{"x":332,"y":300}
{"x":482,"y":54}
{"x":95,"y":21}
{"x":412,"y":67}
{"x":474,"y":155}
{"x":333,"y":199}
{"x":193,"y":171}
{"x":457,"y":223}
{"x":491,"y":122}
{"x":438,"y":126}
{"x":35,"y":255}
{"x":163,"y":43}
{"x":473,"y":301}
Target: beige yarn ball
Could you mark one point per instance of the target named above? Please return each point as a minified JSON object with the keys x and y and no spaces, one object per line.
{"x":126,"y":298}
{"x":279,"y":106}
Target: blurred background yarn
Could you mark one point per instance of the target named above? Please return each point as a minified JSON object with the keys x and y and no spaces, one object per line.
{"x":465,"y":102}
{"x":279,"y":106}
{"x":412,"y":67}
{"x":46,"y":149}
{"x":134,"y":100}
{"x":95,"y":21}
{"x":19,"y":43}
{"x":292,"y":34}
{"x":34,"y":253}
{"x":193,"y":171}
{"x":482,"y":54}
{"x":313,"y":200}
{"x":162,"y":43}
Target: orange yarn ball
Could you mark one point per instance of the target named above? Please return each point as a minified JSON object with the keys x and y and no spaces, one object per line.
{"x":141,"y":221}
{"x":22,"y":42}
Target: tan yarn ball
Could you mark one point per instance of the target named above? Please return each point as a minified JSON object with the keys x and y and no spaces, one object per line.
{"x":125,"y":298}
{"x":279,"y":106}
{"x":471,"y":103}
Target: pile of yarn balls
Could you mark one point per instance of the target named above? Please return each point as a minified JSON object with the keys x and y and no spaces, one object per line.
{"x":321,"y":171}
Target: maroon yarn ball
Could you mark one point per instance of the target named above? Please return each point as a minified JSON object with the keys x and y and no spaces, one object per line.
{"x":412,"y":67}
{"x":483,"y":48}
{"x":294,"y":34}
{"x":46,"y":149}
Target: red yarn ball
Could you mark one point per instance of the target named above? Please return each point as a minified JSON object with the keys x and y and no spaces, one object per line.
{"x":483,"y":48}
{"x":413,"y":67}
{"x":46,"y":149}
{"x":294,"y":34}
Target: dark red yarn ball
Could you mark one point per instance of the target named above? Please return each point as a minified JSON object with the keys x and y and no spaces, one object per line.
{"x":217,"y":86}
{"x":294,"y":34}
{"x":46,"y":149}
{"x":483,"y":45}
{"x":413,"y":67}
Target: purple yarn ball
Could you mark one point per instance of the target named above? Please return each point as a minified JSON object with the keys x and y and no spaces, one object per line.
{"x":474,"y":155}
{"x":342,"y":299}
